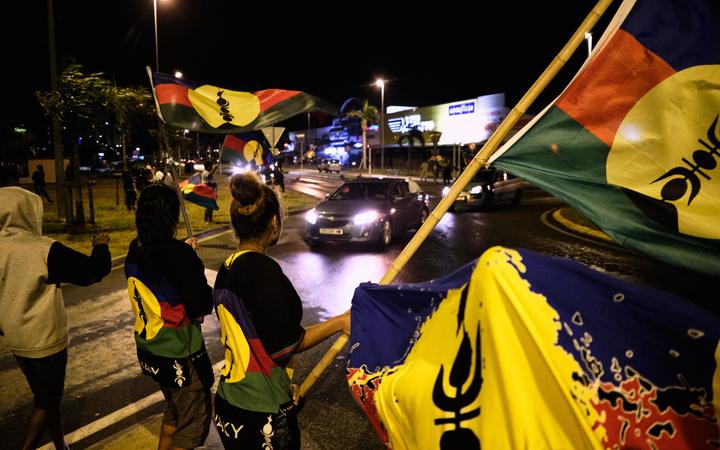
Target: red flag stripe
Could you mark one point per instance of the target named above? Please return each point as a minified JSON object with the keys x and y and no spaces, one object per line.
{"x":271,"y":97}
{"x":234,"y":144}
{"x":172,"y":94}
{"x":610,"y":86}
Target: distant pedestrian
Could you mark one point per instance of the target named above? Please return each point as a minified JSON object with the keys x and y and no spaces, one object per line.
{"x":38,"y":179}
{"x":279,"y":176}
{"x":33,"y":322}
{"x":130,"y":190}
{"x":447,"y":170}
{"x":208,"y":177}
{"x":436,"y":167}
{"x":424,"y":167}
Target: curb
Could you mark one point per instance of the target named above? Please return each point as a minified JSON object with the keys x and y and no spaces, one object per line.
{"x":578,"y":228}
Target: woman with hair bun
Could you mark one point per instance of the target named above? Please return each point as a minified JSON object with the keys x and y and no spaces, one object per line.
{"x":260,"y":313}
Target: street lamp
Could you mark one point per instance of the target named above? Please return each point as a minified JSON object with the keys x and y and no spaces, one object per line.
{"x":588,"y":38}
{"x":178,"y":74}
{"x":381,"y":84}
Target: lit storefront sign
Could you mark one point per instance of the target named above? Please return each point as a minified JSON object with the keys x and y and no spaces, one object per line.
{"x":461,"y":108}
{"x":406,"y":123}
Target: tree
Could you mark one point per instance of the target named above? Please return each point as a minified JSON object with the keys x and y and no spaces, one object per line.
{"x":80,"y":102}
{"x":368,"y":115}
{"x":130,"y":106}
{"x":411,"y":137}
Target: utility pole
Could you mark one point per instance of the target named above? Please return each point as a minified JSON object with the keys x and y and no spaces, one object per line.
{"x":57,"y":134}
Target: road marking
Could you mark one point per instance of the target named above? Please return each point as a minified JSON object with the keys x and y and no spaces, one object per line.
{"x":117,"y":416}
{"x":576,"y":235}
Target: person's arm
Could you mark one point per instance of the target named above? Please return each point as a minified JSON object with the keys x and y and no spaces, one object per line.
{"x":317,"y":333}
{"x":192,"y":284}
{"x":66,"y":265}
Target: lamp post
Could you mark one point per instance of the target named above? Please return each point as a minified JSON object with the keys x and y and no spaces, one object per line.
{"x":157,"y":57}
{"x":381,"y":84}
{"x":588,"y":38}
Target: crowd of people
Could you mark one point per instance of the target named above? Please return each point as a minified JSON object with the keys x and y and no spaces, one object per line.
{"x":258,"y":308}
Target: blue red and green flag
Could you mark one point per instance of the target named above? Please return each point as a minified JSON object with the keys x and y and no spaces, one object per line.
{"x":194,"y":191}
{"x":210,"y":109}
{"x":633,"y":142}
{"x":246,"y":148}
{"x":520,"y":350}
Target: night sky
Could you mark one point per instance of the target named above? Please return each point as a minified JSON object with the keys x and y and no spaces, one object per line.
{"x":430,"y":54}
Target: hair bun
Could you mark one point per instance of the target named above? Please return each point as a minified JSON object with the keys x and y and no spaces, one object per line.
{"x":246,"y":188}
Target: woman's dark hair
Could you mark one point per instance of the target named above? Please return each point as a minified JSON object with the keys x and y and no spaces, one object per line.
{"x":157,"y":214}
{"x":156,"y":218}
{"x":253,"y":207}
{"x":208,"y":165}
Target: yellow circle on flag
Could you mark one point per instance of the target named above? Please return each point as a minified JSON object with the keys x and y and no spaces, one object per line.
{"x":667,"y":149}
{"x":219,"y":106}
{"x":253,"y":151}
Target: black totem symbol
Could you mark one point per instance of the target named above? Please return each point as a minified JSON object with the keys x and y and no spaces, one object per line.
{"x":459,"y":437}
{"x":224,"y":107}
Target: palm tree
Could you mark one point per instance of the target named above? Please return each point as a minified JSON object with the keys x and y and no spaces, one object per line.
{"x":413,"y":135}
{"x":368,"y":115}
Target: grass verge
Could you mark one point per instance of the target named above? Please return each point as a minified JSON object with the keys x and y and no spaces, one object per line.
{"x":115,"y":220}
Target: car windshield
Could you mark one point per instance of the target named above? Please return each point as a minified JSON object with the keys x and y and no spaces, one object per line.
{"x":361,"y":191}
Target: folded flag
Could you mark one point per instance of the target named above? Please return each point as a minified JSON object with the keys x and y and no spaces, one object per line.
{"x":246,"y":148}
{"x":633,"y":142}
{"x":518,"y":350}
{"x":211,"y":109}
{"x":199,"y":193}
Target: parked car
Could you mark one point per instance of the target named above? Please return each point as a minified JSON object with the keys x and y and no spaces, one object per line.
{"x":488,"y":187}
{"x":330,"y":165}
{"x":369,"y":210}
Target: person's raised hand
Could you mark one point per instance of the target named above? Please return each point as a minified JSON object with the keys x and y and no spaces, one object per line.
{"x":192,"y":242}
{"x":99,"y":239}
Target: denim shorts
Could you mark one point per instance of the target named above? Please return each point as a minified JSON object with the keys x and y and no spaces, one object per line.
{"x":243,"y":429}
{"x":46,"y":377}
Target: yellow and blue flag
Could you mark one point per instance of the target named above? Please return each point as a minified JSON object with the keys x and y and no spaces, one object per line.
{"x":519,"y":350}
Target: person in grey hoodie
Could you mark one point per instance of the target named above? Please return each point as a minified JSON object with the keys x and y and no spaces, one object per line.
{"x":33,"y":325}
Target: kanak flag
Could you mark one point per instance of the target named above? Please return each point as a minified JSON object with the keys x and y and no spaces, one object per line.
{"x":194,"y":191}
{"x":521,"y":351}
{"x":212,"y":109}
{"x":633,"y":142}
{"x":246,"y":148}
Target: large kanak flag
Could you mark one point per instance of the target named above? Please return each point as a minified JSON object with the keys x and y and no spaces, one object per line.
{"x":633,"y":142}
{"x":211,"y":109}
{"x":521,"y":351}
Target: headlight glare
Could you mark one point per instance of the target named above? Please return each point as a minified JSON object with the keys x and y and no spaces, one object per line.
{"x":366,"y":217}
{"x":311,"y":216}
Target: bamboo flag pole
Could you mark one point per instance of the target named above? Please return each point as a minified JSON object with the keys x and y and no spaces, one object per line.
{"x":476,"y":164}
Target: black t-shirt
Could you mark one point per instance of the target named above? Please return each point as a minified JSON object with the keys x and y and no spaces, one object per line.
{"x":270,"y":299}
{"x":178,"y":264}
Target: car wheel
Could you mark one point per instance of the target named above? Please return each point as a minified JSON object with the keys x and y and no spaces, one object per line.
{"x":386,"y":236}
{"x":517,"y":197}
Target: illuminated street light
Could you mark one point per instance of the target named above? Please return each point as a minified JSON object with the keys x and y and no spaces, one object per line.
{"x":588,"y":38}
{"x":178,"y":74}
{"x":381,"y":84}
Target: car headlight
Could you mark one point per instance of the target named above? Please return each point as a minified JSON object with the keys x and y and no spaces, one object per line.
{"x":476,"y":190}
{"x":311,"y":216}
{"x":366,"y":217}
{"x":445,"y":191}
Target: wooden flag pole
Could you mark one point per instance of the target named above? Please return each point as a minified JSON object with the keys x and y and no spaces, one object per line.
{"x":476,"y":164}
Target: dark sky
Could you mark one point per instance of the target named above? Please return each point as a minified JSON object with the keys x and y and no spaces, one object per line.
{"x":432,"y":54}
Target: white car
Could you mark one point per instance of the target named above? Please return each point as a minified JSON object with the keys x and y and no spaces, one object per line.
{"x":330,"y":165}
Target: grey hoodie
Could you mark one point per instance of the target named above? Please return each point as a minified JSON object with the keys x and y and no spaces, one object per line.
{"x":32,"y":312}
